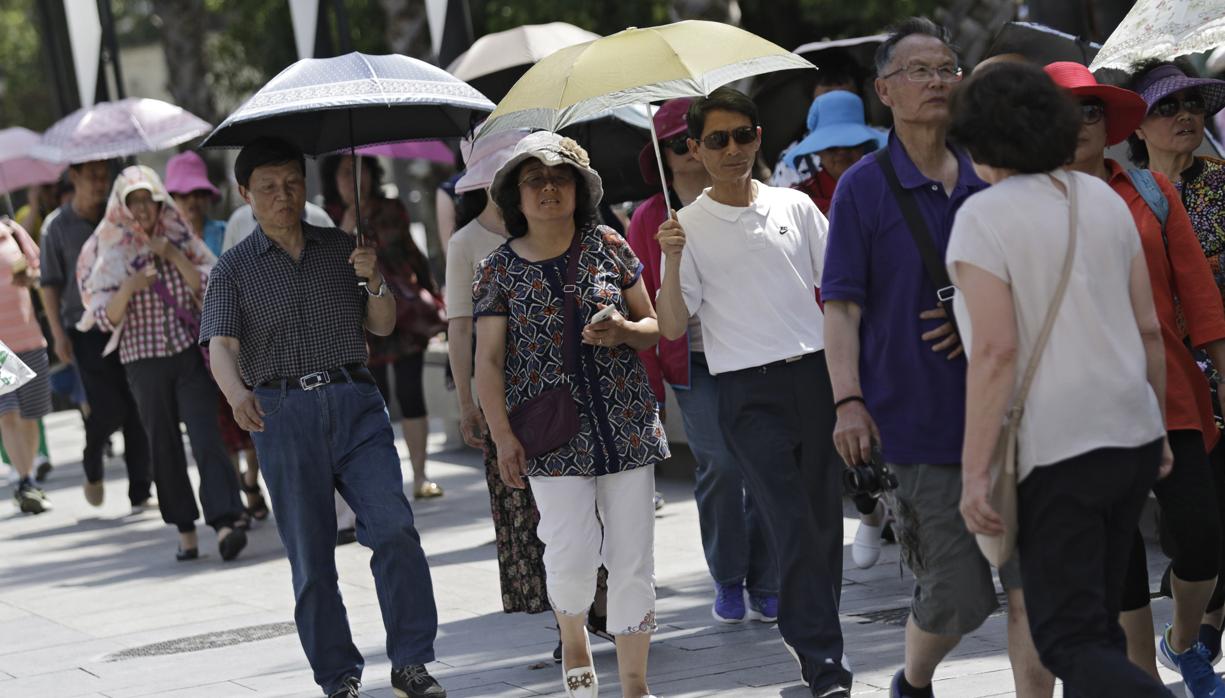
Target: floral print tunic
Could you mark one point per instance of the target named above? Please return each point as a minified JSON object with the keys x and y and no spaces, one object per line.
{"x":619,"y":423}
{"x":1203,"y":194}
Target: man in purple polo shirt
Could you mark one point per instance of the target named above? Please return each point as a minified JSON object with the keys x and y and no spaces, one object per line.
{"x":896,"y":363}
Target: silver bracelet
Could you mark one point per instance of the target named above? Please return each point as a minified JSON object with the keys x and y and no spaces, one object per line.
{"x":382,"y":290}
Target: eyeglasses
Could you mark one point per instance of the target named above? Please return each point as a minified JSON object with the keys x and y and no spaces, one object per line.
{"x":718,"y":140}
{"x":1092,"y":112}
{"x":1171,"y":106}
{"x":540,"y":180}
{"x":923,"y":73}
{"x":678,"y":146}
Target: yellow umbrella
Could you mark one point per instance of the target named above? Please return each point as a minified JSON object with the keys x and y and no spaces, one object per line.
{"x":636,"y":66}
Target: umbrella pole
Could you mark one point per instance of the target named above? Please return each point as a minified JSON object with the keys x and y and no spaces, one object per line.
{"x":8,"y":201}
{"x":357,"y":187}
{"x":659,"y":160}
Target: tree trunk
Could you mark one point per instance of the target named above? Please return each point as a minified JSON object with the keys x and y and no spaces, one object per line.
{"x":714,"y":10}
{"x":183,"y":29}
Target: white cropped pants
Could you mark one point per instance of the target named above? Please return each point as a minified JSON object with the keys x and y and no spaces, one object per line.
{"x":609,"y":519}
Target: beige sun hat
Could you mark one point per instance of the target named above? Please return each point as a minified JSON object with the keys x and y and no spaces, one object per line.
{"x":552,"y":150}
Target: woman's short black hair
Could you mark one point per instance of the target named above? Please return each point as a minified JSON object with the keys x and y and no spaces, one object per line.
{"x":265,"y":151}
{"x":507,"y":199}
{"x":468,"y":206}
{"x":327,"y":173}
{"x":1013,"y":116}
{"x":725,"y":98}
{"x":1137,"y":150}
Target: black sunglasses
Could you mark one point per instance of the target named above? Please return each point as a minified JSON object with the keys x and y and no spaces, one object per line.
{"x":718,"y":140}
{"x":1171,"y":106}
{"x":1092,"y":112}
{"x":678,"y":146}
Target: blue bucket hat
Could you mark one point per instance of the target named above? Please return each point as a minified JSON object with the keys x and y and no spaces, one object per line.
{"x":835,"y":120}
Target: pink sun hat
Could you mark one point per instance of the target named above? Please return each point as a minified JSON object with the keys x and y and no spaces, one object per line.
{"x":186,"y":172}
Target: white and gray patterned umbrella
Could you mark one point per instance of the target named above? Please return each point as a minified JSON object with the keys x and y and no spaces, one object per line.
{"x":323,"y":105}
{"x":118,"y":129}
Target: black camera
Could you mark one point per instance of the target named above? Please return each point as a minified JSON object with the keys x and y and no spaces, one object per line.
{"x":873,"y":479}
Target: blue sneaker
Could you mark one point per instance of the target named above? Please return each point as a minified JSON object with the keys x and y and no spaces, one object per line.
{"x":729,"y":603}
{"x":1198,"y":678}
{"x":763,"y":607}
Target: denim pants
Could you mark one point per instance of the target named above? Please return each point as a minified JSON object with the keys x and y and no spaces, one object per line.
{"x":779,"y":420}
{"x":733,"y":535}
{"x":338,"y":438}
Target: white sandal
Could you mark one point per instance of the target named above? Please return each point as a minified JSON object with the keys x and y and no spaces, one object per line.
{"x":581,"y":682}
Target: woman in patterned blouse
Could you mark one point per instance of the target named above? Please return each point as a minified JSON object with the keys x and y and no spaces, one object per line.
{"x":1173,"y":129}
{"x":142,"y":275}
{"x":595,"y":493}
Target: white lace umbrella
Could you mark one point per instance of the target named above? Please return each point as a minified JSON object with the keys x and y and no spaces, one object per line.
{"x":118,"y":129}
{"x":1163,"y":29}
{"x":495,"y":61}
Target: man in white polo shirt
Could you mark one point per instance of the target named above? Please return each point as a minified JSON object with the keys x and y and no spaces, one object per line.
{"x":749,"y":272}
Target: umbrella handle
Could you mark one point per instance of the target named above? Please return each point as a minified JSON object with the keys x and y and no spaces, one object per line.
{"x":659,"y":160}
{"x":357,"y":188}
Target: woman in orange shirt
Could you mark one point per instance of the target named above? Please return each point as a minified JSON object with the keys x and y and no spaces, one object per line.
{"x":1189,"y":307}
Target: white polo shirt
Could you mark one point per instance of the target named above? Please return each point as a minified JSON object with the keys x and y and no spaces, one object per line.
{"x":749,"y":274}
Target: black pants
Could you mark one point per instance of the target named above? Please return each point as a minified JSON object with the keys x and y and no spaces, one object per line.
{"x":1216,"y":463}
{"x":1077,"y":518}
{"x":178,"y":389}
{"x":410,"y":384}
{"x":111,"y":407}
{"x":1190,"y":521}
{"x":779,"y":421}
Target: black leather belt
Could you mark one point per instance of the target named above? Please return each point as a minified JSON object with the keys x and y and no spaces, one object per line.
{"x":765,"y":368}
{"x":356,"y":373}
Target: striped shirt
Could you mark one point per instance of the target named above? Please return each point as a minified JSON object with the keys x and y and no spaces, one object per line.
{"x":18,"y":325}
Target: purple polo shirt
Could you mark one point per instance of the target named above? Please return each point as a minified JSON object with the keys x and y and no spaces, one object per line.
{"x":916,"y":396}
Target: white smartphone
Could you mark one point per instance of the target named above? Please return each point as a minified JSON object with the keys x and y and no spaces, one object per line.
{"x":603,"y":315}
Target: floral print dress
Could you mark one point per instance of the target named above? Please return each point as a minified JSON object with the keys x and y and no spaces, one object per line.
{"x":1202,"y":188}
{"x":619,"y":422}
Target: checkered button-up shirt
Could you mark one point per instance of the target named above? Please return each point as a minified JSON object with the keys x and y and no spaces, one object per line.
{"x":151,"y":328}
{"x":290,"y":318}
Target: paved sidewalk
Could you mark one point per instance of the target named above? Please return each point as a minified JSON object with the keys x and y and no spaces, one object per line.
{"x":92,"y":603}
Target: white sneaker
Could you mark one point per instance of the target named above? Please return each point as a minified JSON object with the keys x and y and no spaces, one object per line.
{"x":865,"y":549}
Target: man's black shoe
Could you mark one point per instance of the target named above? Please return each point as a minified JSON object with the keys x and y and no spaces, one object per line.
{"x":415,"y":682}
{"x":348,"y":689}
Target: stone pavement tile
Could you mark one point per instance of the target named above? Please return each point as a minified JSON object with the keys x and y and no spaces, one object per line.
{"x":61,"y":684}
{"x":70,"y":655}
{"x":34,"y":632}
{"x":10,"y":612}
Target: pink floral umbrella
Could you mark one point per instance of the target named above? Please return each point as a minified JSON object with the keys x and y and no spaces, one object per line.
{"x":118,"y":129}
{"x":17,"y":169}
{"x":434,"y":151}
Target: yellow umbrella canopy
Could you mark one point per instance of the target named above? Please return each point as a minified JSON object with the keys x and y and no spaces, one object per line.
{"x":635,"y":66}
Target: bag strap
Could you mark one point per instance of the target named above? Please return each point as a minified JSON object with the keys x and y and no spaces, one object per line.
{"x":190,"y":322}
{"x":1018,"y":405}
{"x":569,"y":301}
{"x":933,"y":261}
{"x":1150,"y":191}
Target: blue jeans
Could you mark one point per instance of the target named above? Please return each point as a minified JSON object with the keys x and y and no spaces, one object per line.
{"x":338,"y":438}
{"x":733,"y":536}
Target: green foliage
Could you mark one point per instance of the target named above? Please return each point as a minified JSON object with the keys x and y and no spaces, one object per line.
{"x":25,"y":99}
{"x":491,"y":16}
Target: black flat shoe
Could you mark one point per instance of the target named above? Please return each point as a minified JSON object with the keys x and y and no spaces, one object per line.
{"x":258,"y":511}
{"x":346,"y":536}
{"x":184,"y":555}
{"x":231,"y":545}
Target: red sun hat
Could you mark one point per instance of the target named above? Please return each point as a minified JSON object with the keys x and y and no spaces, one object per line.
{"x":1124,"y":109}
{"x":669,"y":123}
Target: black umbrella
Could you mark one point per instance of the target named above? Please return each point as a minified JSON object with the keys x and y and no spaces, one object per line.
{"x":1041,"y":44}
{"x":322,"y":105}
{"x":783,"y":98}
{"x":613,"y":142}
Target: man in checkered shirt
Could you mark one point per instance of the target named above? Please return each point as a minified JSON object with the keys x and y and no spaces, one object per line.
{"x":285,"y":321}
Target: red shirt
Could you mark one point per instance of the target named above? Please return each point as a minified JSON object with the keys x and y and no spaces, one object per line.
{"x":1179,"y":271}
{"x":669,"y":360}
{"x":819,"y":188}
